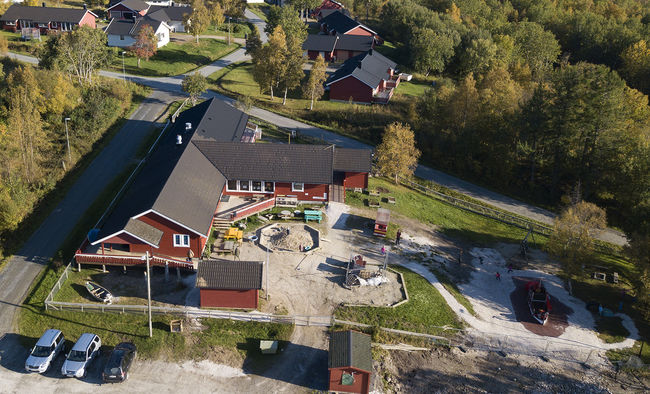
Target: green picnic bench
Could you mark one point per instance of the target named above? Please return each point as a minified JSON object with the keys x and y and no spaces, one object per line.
{"x":313,"y":215}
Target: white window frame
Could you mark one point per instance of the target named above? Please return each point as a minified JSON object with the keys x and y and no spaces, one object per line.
{"x":228,"y":189}
{"x":261,"y":187}
{"x":239,"y":183}
{"x":264,"y":187}
{"x":297,"y":189}
{"x":55,"y":25}
{"x":250,"y":187}
{"x":181,"y":240}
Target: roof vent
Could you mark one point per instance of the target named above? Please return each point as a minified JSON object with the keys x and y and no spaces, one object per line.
{"x":188,"y":126}
{"x":179,"y":139}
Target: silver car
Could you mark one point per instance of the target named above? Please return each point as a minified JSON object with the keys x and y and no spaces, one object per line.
{"x":47,"y":348}
{"x":83,"y":352}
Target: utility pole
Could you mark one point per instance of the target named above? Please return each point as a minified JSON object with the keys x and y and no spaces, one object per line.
{"x":123,"y":72}
{"x":267,"y":272}
{"x":67,"y":138}
{"x":228,"y":30}
{"x":149,"y":294}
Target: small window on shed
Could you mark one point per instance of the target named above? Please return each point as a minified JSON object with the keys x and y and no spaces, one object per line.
{"x":347,"y":379}
{"x":257,"y":186}
{"x":121,"y":38}
{"x":297,"y":187}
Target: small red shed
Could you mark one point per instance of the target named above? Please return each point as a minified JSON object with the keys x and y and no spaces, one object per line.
{"x":349,"y":362}
{"x":381,"y":223}
{"x":229,"y":284}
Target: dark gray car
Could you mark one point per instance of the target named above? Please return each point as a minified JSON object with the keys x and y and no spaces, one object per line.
{"x":118,"y":364}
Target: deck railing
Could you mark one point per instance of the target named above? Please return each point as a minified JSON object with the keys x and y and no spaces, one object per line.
{"x":103,"y":259}
{"x":253,"y":209}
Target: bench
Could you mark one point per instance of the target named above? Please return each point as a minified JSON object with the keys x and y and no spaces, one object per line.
{"x":284,"y":201}
{"x":313,"y":215}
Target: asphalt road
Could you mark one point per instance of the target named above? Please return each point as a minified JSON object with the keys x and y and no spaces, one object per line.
{"x":25,"y":265}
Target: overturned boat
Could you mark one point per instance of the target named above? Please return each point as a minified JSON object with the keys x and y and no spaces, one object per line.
{"x":539,"y":301}
{"x":99,"y":292}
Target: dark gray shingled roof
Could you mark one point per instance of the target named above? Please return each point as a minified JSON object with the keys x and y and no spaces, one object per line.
{"x":144,"y":231}
{"x":270,"y":162}
{"x":354,"y":43}
{"x":369,"y":67}
{"x":127,"y":27}
{"x":165,"y":14}
{"x":352,"y":160}
{"x":319,"y":42}
{"x":341,"y":23}
{"x":328,"y":11}
{"x":350,"y":349}
{"x":327,"y":43}
{"x":177,"y":181}
{"x":43,"y":14}
{"x":135,"y":5}
{"x":229,"y":275}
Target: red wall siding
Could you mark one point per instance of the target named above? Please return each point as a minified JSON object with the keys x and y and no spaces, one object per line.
{"x":359,"y":31}
{"x":166,"y":245}
{"x":361,"y":380}
{"x":351,"y":87}
{"x":311,"y":191}
{"x":9,"y":28}
{"x":356,"y":179}
{"x":122,"y":8}
{"x":312,"y":55}
{"x":229,"y":298}
{"x":88,"y":20}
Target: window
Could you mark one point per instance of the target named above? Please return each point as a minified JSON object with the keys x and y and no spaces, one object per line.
{"x":297,"y":187}
{"x":256,"y":186}
{"x":54,"y":26}
{"x":181,"y":240}
{"x":231,"y":186}
{"x":269,"y":187}
{"x":121,"y":38}
{"x":244,"y":186}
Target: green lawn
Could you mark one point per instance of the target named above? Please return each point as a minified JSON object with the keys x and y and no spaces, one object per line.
{"x":259,"y":9}
{"x":413,"y":88}
{"x":448,"y":219}
{"x":237,"y":30}
{"x":20,"y":46}
{"x":115,"y":328}
{"x":175,"y":58}
{"x":426,"y":308}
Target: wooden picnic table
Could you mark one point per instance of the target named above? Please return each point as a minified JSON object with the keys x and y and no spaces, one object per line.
{"x":233,"y":233}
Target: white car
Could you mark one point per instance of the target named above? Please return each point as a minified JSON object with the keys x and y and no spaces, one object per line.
{"x":46,"y":349}
{"x":83,"y":352}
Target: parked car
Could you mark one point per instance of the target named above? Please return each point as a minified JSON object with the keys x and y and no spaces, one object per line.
{"x":46,"y":349}
{"x":83,"y":352}
{"x":118,"y":364}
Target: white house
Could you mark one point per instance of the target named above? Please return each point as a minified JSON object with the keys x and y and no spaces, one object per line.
{"x":122,"y":33}
{"x":172,"y":15}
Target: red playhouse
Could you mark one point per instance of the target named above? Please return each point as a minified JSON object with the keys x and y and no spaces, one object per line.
{"x":349,"y":362}
{"x":381,"y":223}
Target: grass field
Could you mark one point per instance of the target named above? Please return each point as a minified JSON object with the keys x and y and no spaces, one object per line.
{"x":18,"y":45}
{"x":115,"y":328}
{"x":426,"y":308}
{"x":237,"y":30}
{"x":413,"y":88}
{"x":175,"y":58}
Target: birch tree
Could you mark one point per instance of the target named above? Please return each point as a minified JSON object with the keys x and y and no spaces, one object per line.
{"x":313,"y":89}
{"x":397,"y":155}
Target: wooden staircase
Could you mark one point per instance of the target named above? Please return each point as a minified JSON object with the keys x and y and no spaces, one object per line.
{"x":222,"y":224}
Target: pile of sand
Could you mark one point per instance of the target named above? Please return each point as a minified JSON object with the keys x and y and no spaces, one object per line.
{"x":291,"y":238}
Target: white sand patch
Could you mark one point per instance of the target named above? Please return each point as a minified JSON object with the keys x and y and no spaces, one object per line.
{"x":208,"y":368}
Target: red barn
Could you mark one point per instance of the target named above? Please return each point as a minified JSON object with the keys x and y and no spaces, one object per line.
{"x":349,"y":362}
{"x":327,"y":5}
{"x":46,"y":19}
{"x":367,"y":78}
{"x":127,"y":9}
{"x":338,"y":23}
{"x":204,"y":168}
{"x":229,"y":284}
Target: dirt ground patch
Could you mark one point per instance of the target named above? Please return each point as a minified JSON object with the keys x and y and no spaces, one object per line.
{"x":443,"y":370}
{"x":558,"y":319}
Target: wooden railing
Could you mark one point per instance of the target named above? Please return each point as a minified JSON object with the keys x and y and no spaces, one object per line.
{"x":253,"y":209}
{"x":102,"y":259}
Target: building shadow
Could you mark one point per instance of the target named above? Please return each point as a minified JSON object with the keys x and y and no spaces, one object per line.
{"x":296,"y":364}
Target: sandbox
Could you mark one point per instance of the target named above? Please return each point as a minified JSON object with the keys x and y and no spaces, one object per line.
{"x":295,"y":238}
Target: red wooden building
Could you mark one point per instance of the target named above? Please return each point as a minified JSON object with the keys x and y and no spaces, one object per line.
{"x":336,"y":48}
{"x":169,"y":207}
{"x":127,"y":9}
{"x":349,"y":362}
{"x":339,"y":23}
{"x":46,"y":19}
{"x":367,"y":78}
{"x":325,"y":6}
{"x":229,"y":284}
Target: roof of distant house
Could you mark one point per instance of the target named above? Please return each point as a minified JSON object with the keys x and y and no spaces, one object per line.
{"x":229,"y":275}
{"x":124,"y":27}
{"x":325,"y":12}
{"x":328,"y":43}
{"x":370,"y":68}
{"x":171,"y":13}
{"x":342,"y":23}
{"x":135,"y":5}
{"x":44,"y":14}
{"x":350,"y":349}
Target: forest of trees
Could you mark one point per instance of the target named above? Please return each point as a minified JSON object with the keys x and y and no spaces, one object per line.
{"x":34,"y":105}
{"x":535,"y":97}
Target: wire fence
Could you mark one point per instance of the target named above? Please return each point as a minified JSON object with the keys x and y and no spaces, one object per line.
{"x":59,"y":283}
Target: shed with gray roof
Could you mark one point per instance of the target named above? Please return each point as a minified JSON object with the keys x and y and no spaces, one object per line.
{"x":229,"y":284}
{"x":349,"y":362}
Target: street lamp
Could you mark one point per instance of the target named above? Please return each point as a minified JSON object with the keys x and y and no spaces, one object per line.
{"x":123,"y":72}
{"x":228,"y":30}
{"x":67,"y":139}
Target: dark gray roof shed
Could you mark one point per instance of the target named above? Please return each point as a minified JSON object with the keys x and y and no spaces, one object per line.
{"x":350,"y":349}
{"x":43,"y":14}
{"x":171,"y":13}
{"x":352,"y":160}
{"x":135,"y":5}
{"x":319,"y":42}
{"x":229,"y":275}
